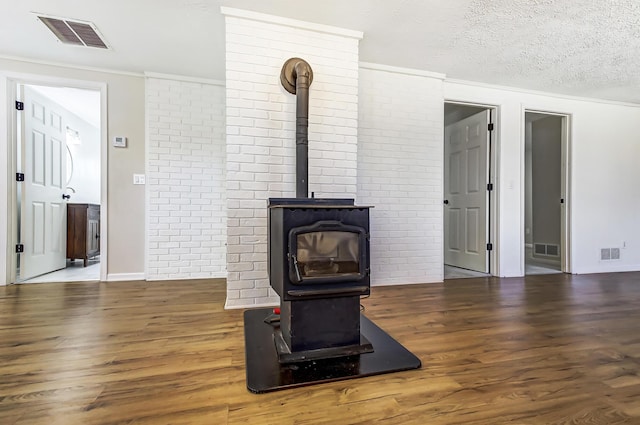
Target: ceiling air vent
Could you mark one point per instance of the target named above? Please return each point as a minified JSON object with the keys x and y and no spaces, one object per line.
{"x":74,"y":32}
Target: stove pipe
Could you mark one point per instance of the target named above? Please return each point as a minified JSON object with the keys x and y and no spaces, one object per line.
{"x":296,"y":77}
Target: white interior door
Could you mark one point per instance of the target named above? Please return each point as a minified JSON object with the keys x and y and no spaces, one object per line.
{"x":43,"y":210}
{"x":466,"y":195}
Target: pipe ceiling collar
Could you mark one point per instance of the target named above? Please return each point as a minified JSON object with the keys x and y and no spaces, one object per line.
{"x":288,"y":74}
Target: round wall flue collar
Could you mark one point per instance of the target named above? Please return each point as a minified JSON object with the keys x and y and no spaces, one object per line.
{"x":290,"y":71}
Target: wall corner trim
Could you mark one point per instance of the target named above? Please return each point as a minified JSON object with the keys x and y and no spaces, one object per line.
{"x":272,"y":19}
{"x":401,"y":70}
{"x":184,"y":78}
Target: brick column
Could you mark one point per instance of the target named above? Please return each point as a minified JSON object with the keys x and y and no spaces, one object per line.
{"x":261,"y":133}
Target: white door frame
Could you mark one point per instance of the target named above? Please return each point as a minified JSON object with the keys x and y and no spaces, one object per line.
{"x":8,"y":92}
{"x":565,"y":183}
{"x":493,"y":213}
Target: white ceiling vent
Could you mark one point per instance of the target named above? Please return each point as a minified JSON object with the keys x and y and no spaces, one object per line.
{"x":74,"y":32}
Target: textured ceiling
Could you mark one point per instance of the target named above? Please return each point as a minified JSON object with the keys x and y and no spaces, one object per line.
{"x":579,"y":47}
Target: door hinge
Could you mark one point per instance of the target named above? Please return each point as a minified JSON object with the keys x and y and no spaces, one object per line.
{"x":19,"y":177}
{"x":490,"y":186}
{"x":489,"y":247}
{"x":19,"y":248}
{"x":490,"y":126}
{"x":19,"y":105}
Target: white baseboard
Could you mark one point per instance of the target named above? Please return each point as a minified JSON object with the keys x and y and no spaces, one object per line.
{"x":607,"y":268}
{"x":239,"y":306}
{"x":163,"y":278}
{"x":119,"y":277}
{"x":406,"y":281}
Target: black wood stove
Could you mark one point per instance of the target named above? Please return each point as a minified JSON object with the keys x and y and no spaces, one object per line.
{"x":319,"y":264}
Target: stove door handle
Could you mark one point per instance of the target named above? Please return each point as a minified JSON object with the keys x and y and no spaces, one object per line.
{"x":297,"y":269}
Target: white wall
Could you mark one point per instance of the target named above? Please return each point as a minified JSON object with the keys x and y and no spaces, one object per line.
{"x":604,"y":198}
{"x":261,"y":133}
{"x":186,"y":214}
{"x":400,"y":173}
{"x":603,"y":201}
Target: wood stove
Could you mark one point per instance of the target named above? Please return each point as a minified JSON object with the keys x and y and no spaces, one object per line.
{"x":318,"y":248}
{"x":318,"y":262}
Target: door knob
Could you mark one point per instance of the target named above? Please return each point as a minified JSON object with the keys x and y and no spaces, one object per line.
{"x":66,"y":196}
{"x":446,"y":202}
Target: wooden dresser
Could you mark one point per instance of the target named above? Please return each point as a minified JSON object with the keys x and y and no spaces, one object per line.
{"x":83,"y":231}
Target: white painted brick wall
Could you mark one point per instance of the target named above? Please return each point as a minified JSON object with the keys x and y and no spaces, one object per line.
{"x":261,"y":137}
{"x":186,"y":219}
{"x":400,"y":166}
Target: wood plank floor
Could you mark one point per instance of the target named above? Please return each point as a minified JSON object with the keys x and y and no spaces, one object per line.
{"x":552,"y":349}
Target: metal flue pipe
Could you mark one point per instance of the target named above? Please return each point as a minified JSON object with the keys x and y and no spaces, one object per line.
{"x":296,"y":77}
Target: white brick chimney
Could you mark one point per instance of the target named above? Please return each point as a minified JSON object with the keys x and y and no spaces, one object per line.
{"x":260,"y":133}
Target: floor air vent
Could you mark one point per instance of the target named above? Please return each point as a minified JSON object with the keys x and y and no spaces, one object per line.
{"x":546,"y":249}
{"x":609,"y":253}
{"x":77,"y":33}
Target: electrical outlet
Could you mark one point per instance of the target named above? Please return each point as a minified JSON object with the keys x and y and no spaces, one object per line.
{"x":138,"y":179}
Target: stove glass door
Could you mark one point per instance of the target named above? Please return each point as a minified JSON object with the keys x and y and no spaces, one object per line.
{"x":327,"y":253}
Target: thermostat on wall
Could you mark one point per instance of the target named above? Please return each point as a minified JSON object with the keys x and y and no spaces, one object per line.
{"x":120,"y":142}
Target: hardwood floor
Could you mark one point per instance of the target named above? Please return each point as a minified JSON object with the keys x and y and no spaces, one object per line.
{"x":549,"y":349}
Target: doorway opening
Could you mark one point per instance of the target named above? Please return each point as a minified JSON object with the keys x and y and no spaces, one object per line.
{"x":468,"y":189}
{"x":546,"y":138}
{"x":58,"y":149}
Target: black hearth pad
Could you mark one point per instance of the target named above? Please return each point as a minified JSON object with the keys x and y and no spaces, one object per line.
{"x":265,"y":374}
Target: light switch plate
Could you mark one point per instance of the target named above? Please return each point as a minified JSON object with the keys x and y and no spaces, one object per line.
{"x":138,"y":179}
